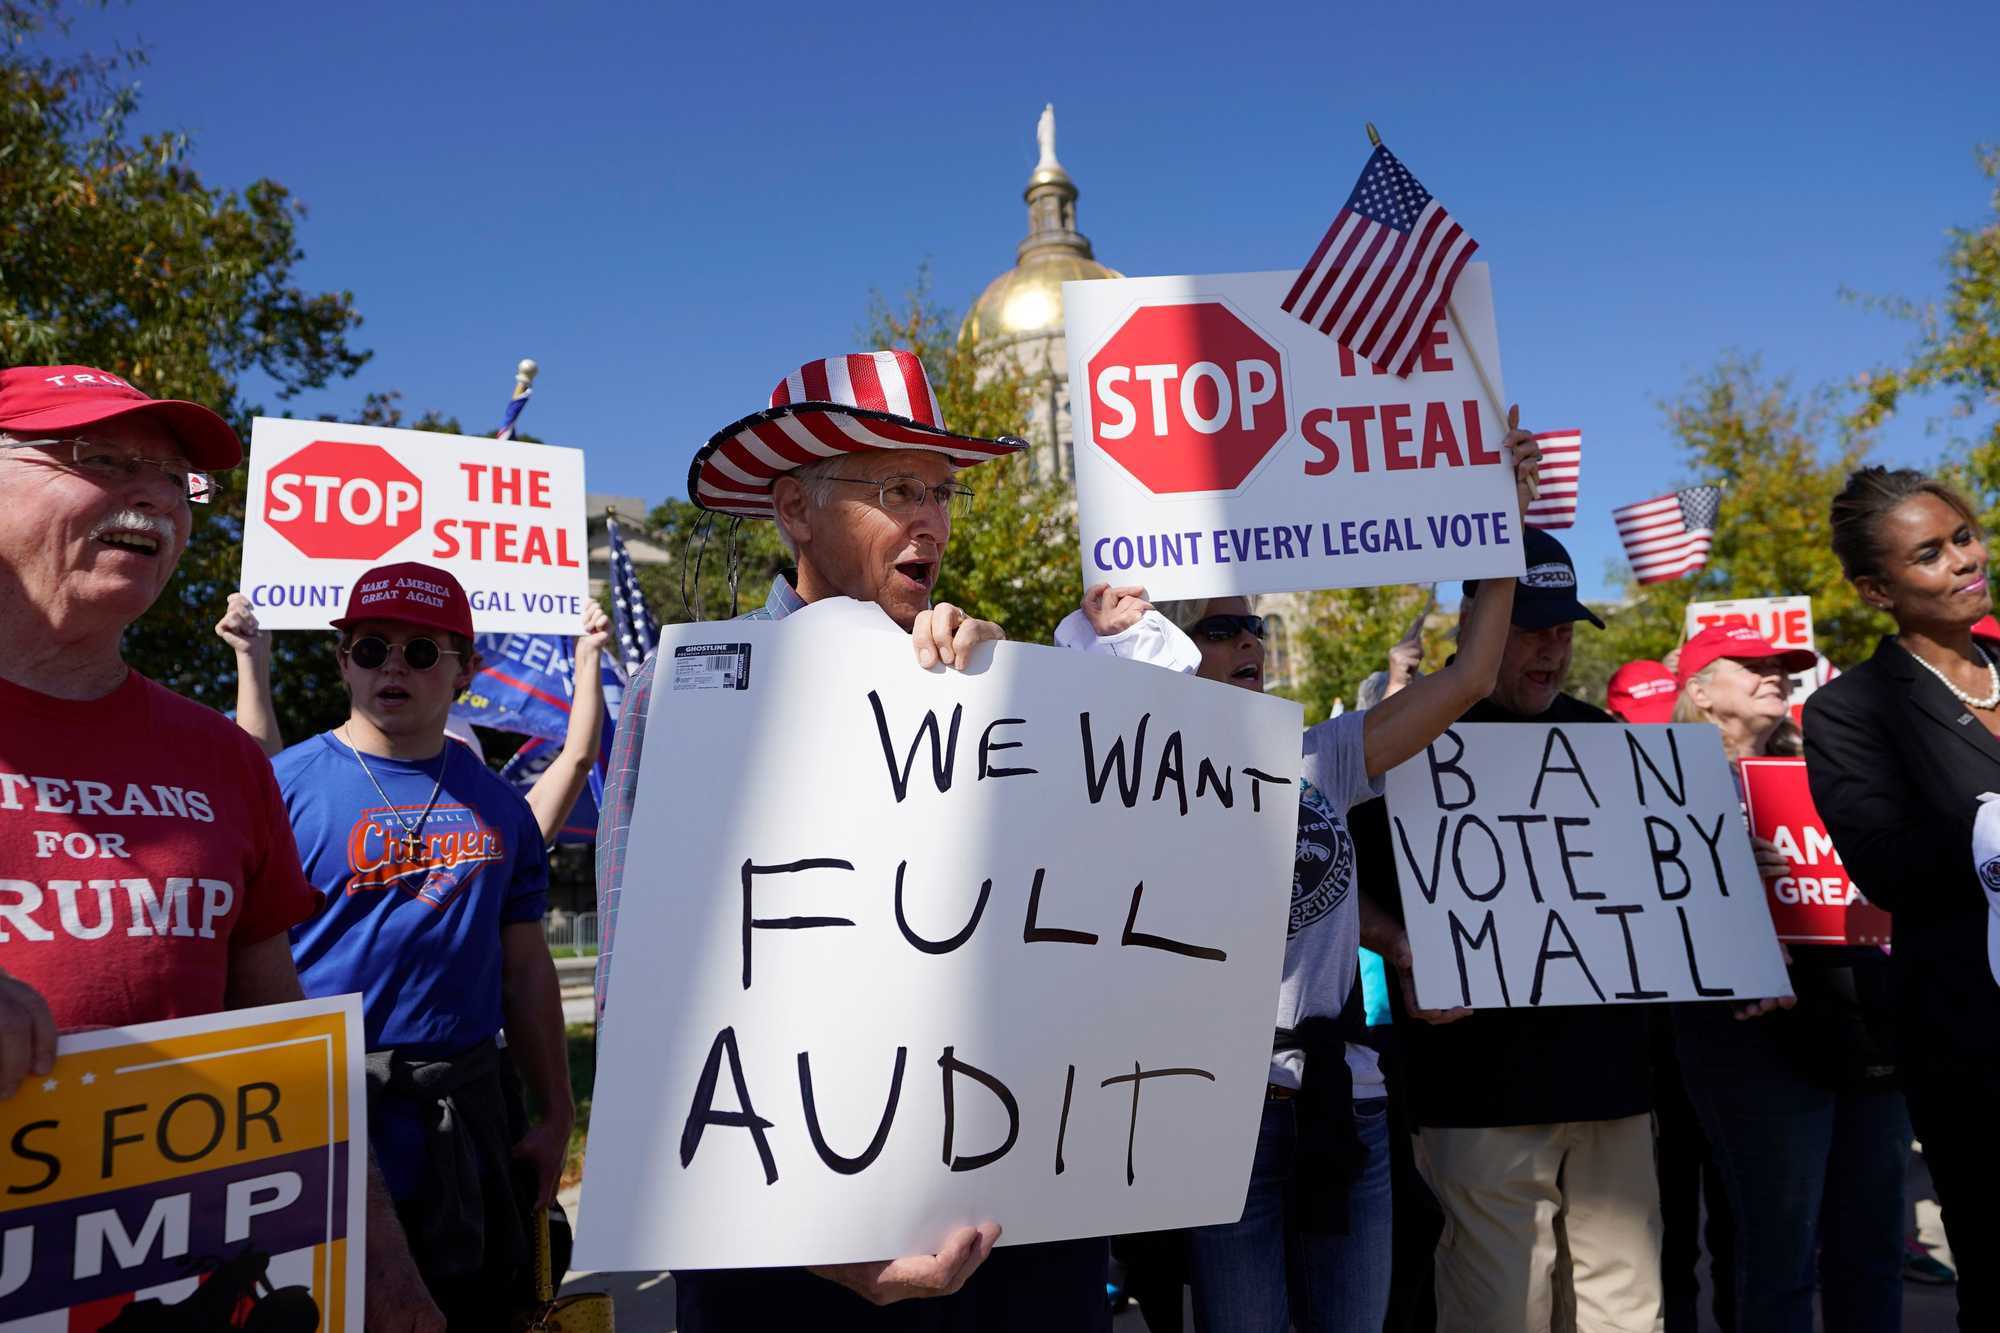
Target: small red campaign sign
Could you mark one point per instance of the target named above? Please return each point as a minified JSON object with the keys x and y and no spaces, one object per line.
{"x":1816,"y":903}
{"x":1187,"y":397}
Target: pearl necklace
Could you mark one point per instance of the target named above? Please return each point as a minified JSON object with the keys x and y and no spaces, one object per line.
{"x":1992,"y":700}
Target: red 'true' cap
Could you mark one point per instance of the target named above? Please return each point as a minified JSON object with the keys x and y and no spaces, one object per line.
{"x":42,"y":400}
{"x":414,"y":593}
{"x":1642,"y":692}
{"x":1743,"y":644}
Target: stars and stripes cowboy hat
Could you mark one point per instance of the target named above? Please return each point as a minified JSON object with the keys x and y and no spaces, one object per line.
{"x":824,"y":409}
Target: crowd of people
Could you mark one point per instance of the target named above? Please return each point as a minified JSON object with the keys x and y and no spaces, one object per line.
{"x":1509,"y":1169}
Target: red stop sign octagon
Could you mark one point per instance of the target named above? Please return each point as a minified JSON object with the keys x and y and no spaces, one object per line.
{"x":342,"y":501}
{"x":1187,"y":397}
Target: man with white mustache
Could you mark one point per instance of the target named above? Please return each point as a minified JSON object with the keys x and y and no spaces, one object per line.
{"x":147,"y":869}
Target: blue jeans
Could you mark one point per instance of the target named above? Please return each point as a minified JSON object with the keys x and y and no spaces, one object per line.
{"x":1814,"y":1177}
{"x":1261,"y":1275}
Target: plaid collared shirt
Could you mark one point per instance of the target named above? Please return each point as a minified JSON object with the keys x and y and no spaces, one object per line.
{"x":621,"y":786}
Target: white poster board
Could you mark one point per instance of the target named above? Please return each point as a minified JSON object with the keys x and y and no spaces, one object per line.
{"x":889,"y":932}
{"x":1546,"y":864}
{"x":327,"y":502}
{"x":1786,"y":621}
{"x":1224,"y":447}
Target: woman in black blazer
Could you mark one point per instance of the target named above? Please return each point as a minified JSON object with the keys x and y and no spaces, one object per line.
{"x":1898,"y":752}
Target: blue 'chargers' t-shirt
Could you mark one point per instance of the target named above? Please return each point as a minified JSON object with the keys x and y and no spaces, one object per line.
{"x":420,"y":939}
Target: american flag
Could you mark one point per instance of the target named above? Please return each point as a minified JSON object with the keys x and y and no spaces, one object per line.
{"x":1562,"y":472}
{"x":1385,"y":268}
{"x":514,"y":406}
{"x":637,"y":630}
{"x":1667,"y":537}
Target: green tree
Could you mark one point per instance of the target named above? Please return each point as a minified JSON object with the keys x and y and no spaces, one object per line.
{"x":1347,"y":634}
{"x":1780,"y":460}
{"x":115,"y":253}
{"x":1957,"y":353}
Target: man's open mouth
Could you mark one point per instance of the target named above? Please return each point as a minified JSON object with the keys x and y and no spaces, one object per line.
{"x":393,"y":694}
{"x":124,"y":539}
{"x":1248,"y":671}
{"x":919,"y":572}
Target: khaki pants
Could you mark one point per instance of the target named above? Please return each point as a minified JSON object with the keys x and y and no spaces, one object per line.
{"x":1548,"y":1228}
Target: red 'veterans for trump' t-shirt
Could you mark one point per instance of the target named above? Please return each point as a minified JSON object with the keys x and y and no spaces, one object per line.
{"x":142,"y":841}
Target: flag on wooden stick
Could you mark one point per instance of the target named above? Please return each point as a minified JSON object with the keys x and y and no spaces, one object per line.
{"x":1562,"y":471}
{"x":1384,"y":271}
{"x":1667,"y":537}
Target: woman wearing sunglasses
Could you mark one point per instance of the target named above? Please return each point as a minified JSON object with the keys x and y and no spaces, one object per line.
{"x":1311,"y":1250}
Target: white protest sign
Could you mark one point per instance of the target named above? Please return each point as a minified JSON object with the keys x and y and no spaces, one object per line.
{"x":327,"y":502}
{"x":1547,"y":864}
{"x":901,"y":951}
{"x":1786,"y":621}
{"x":1224,"y":447}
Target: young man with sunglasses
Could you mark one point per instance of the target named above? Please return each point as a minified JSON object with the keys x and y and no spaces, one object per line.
{"x":148,"y":865}
{"x":435,"y":880}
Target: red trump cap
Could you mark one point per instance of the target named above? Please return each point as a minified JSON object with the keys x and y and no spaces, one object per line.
{"x":1642,"y":691}
{"x":44,"y":400}
{"x":413,"y":593}
{"x":1742,"y":644}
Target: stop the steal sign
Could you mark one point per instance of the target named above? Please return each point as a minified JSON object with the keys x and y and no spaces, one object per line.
{"x":327,"y":502}
{"x":1224,"y":447}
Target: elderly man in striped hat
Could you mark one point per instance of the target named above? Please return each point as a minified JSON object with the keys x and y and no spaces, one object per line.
{"x":853,"y":462}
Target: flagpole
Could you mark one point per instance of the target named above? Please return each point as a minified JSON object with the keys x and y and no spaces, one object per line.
{"x":1472,"y":354}
{"x":524,"y":379}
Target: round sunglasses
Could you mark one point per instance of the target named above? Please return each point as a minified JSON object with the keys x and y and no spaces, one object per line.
{"x":371,"y":653}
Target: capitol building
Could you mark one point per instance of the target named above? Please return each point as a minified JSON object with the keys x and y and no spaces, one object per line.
{"x":1018,"y":322}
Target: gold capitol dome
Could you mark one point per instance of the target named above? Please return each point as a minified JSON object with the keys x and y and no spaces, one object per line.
{"x":1026,"y":300}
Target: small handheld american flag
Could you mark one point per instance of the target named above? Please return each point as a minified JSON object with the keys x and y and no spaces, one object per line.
{"x":1384,"y":271}
{"x":1667,"y":537}
{"x":1561,"y":475}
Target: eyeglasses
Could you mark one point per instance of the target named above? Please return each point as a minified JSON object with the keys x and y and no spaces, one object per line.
{"x":371,"y":653}
{"x":111,"y":464}
{"x":900,"y":495}
{"x":1221,"y":629}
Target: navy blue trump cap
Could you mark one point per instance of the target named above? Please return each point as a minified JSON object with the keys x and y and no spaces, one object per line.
{"x":1545,"y":594}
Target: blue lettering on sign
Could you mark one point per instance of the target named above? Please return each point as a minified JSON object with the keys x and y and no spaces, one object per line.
{"x":298,"y":594}
{"x":1150,"y":550}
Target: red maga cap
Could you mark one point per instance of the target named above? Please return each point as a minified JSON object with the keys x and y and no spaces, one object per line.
{"x":414,"y":593}
{"x":43,"y":400}
{"x":1642,"y":691}
{"x":1743,"y":644}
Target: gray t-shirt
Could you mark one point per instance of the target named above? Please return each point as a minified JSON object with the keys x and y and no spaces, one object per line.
{"x":1323,"y":937}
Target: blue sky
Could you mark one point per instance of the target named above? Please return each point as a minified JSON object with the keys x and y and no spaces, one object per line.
{"x":671,"y":206}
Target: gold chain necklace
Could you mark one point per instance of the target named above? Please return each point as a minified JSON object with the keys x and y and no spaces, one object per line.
{"x":412,"y":841}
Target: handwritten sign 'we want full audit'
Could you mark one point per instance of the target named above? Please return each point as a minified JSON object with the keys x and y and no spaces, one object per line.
{"x":900,"y":951}
{"x":1591,"y":864}
{"x":1224,"y":447}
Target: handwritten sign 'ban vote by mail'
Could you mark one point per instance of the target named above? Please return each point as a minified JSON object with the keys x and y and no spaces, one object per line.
{"x":327,"y":502}
{"x":167,"y":1172}
{"x":1224,"y":447}
{"x":1591,"y":864}
{"x":901,"y":951}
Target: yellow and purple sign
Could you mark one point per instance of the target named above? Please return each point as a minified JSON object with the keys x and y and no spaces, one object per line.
{"x":199,"y":1173}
